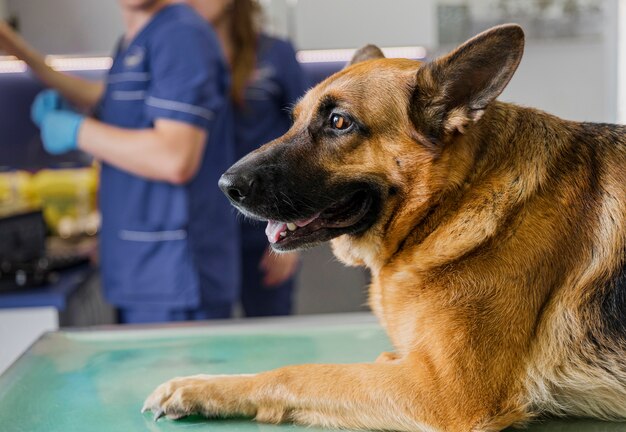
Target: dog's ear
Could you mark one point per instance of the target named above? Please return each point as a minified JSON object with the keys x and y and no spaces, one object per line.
{"x":453,"y":91}
{"x":368,"y":52}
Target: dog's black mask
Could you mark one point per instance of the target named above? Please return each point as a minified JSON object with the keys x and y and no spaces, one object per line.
{"x":305,"y":203}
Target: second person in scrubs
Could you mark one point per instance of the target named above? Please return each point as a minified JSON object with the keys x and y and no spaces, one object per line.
{"x":266,"y":82}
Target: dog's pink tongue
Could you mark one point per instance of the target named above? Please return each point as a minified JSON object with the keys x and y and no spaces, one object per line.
{"x":273,"y":230}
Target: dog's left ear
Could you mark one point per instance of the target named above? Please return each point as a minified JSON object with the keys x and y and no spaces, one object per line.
{"x":453,"y":91}
{"x":368,"y":52}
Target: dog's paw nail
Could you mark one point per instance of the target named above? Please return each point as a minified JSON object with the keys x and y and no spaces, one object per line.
{"x":158,"y":414}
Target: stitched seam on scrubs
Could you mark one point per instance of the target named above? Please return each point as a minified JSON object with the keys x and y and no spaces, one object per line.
{"x":128,"y":76}
{"x":128,"y":95}
{"x":180,"y":107}
{"x":153,"y":236}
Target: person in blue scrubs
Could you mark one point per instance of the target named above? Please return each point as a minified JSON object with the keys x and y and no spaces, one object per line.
{"x":267,"y":81}
{"x":163,"y":132}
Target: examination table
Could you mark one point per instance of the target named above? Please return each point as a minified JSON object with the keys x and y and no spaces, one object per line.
{"x":96,"y":380}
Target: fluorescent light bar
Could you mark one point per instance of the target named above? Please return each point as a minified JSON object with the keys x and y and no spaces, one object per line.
{"x":79,"y":63}
{"x":10,"y":64}
{"x":344,"y":55}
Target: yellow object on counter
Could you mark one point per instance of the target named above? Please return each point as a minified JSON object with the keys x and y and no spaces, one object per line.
{"x":16,"y":189}
{"x":68,"y":198}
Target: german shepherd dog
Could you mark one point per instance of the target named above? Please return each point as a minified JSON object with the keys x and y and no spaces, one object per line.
{"x":495,"y":235}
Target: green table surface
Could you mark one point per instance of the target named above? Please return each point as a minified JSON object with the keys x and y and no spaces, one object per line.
{"x":97,"y":380}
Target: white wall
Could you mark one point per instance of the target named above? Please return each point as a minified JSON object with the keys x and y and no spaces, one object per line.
{"x":621,"y":57}
{"x":19,"y":328}
{"x":277,"y":17}
{"x":322,"y":24}
{"x":568,"y":79}
{"x":575,"y":77}
{"x":69,"y":26}
{"x":4,"y":11}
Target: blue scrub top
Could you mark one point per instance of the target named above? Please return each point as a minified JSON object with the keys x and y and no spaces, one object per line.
{"x":277,"y":83}
{"x":165,"y":245}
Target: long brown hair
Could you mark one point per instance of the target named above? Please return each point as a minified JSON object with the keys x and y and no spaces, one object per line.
{"x":245,"y":19}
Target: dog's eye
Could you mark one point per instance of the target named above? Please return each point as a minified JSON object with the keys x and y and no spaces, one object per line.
{"x":340,"y":122}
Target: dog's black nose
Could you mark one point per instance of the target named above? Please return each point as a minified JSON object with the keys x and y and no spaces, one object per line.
{"x":237,"y":187}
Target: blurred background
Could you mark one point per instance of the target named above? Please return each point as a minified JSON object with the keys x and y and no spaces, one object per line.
{"x":572,"y":44}
{"x":574,"y":66}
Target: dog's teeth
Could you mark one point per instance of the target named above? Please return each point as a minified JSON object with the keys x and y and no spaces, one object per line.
{"x":291,"y":226}
{"x":283,"y":234}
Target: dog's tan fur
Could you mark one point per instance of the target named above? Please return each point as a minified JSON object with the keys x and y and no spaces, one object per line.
{"x":492,"y":261}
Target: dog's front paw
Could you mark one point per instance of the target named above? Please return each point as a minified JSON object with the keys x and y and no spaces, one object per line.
{"x":180,"y":397}
{"x":208,"y":395}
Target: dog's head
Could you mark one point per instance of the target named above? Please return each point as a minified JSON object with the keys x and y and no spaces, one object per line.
{"x":367,"y":146}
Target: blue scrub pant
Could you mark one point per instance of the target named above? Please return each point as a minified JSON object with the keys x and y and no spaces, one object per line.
{"x":257,"y":300}
{"x":154,"y":315}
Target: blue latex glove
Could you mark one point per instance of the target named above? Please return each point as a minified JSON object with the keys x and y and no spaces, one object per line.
{"x":59,"y":131}
{"x":45,"y":102}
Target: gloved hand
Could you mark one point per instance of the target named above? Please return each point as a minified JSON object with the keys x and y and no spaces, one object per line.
{"x":45,"y":102}
{"x":59,"y":131}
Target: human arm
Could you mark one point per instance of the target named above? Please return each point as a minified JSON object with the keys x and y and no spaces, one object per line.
{"x":278,"y":268}
{"x":171,"y":151}
{"x":82,"y":93}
